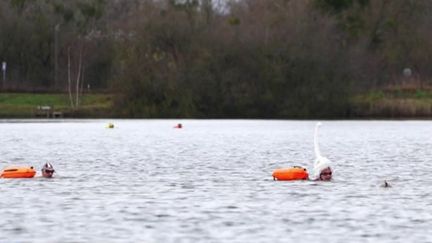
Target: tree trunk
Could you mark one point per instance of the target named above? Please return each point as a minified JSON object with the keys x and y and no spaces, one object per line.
{"x":77,"y":87}
{"x":69,"y":79}
{"x":82,"y":82}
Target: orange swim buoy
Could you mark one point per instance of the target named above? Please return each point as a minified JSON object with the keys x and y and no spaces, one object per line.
{"x":289,"y":174}
{"x":18,"y":172}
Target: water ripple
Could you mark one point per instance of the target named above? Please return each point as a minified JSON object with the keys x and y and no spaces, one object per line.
{"x":211,"y":182}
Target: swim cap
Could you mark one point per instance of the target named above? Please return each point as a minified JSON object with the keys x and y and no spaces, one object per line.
{"x":321,"y":163}
{"x":48,"y":167}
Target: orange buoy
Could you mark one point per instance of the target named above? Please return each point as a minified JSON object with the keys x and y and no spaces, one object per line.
{"x":289,"y":174}
{"x":18,"y":172}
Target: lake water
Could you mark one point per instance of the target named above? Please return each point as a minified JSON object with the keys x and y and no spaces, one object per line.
{"x":145,"y":181}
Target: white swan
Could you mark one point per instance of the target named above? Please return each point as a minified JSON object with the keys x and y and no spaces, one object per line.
{"x":321,"y":162}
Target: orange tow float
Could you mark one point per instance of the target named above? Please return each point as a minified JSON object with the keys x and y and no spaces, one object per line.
{"x":18,"y":172}
{"x":289,"y":174}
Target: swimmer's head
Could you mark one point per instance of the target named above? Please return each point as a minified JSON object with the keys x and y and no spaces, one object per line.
{"x":322,"y":169}
{"x":326,"y":174}
{"x":47,"y":170}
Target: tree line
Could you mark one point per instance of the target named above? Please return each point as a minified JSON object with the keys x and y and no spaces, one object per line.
{"x":215,"y":58}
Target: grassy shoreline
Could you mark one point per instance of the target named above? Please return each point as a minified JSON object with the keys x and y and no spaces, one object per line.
{"x":25,"y":105}
{"x":396,"y":103}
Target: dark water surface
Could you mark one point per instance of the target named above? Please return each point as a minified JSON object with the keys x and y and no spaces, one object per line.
{"x":144,"y":181}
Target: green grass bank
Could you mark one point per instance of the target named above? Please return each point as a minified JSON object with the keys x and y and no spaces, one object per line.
{"x":394,"y":102}
{"x":386,"y":103}
{"x":30,"y":105}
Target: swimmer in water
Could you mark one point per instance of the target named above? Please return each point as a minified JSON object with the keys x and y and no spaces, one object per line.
{"x":322,"y":168}
{"x":48,"y":170}
{"x":386,"y":184}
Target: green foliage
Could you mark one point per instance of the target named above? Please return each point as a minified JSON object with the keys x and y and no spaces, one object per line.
{"x":88,"y":11}
{"x":339,"y":5}
{"x":36,"y":37}
{"x":349,"y":14}
{"x":234,"y":21}
{"x":66,"y":13}
{"x":375,"y":95}
{"x":421,"y":94}
{"x":18,"y":4}
{"x":188,"y":58}
{"x":92,"y":9}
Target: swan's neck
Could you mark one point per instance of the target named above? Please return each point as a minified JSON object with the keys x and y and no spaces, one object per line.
{"x":316,"y":145}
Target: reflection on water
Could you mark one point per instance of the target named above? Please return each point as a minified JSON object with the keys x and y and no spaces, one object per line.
{"x":210,"y":181}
